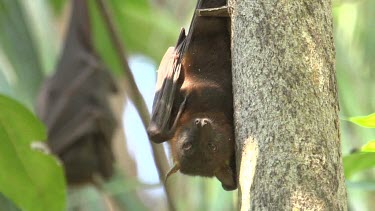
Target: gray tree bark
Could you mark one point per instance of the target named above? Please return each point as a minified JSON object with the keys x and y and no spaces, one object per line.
{"x":286,"y":106}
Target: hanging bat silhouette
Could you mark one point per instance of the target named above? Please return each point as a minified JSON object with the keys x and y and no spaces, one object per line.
{"x":73,"y":104}
{"x":193,"y":104}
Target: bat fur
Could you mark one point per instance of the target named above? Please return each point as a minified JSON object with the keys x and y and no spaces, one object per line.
{"x":73,"y":104}
{"x":193,"y":105}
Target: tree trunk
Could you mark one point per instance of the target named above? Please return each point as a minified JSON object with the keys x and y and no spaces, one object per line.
{"x":286,"y":106}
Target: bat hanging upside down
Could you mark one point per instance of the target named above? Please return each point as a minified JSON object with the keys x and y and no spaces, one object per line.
{"x":74,"y":105}
{"x":193,"y":105}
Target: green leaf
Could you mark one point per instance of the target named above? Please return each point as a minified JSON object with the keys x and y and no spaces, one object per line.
{"x":357,"y":162}
{"x":143,"y":30}
{"x":5,"y":80}
{"x":7,"y":204}
{"x":42,"y":25}
{"x":31,"y":179}
{"x":369,"y":147}
{"x":364,"y":121}
{"x":19,"y":52}
{"x":57,"y":5}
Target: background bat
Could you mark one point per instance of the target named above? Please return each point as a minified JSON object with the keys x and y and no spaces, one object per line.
{"x":193,"y":105}
{"x":73,"y":104}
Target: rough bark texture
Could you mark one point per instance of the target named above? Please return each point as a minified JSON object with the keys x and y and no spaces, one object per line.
{"x":286,"y":107}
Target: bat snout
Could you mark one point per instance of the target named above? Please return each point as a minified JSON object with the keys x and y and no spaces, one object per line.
{"x":203,"y":122}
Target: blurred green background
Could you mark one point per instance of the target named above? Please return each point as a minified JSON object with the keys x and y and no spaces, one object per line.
{"x":31,"y":37}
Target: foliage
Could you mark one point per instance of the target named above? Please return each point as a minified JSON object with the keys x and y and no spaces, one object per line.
{"x":21,"y":71}
{"x":358,"y":162}
{"x":29,"y":42}
{"x":30,"y":176}
{"x":30,"y":37}
{"x":143,"y":30}
{"x":364,"y":121}
{"x":355,"y":78}
{"x":364,"y":158}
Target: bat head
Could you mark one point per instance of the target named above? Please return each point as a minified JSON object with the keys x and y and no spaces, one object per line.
{"x":205,"y":147}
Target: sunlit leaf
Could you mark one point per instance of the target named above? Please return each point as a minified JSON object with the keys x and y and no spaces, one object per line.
{"x":357,"y":162}
{"x":369,"y":147}
{"x":30,"y":178}
{"x":364,"y":121}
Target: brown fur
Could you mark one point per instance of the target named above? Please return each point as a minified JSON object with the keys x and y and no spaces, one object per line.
{"x":74,"y":105}
{"x":202,"y":141}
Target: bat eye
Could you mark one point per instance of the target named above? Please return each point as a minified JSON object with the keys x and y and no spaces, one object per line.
{"x":213,"y":147}
{"x":186,"y":146}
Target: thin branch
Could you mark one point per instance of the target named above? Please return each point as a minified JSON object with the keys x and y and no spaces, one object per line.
{"x":135,"y":96}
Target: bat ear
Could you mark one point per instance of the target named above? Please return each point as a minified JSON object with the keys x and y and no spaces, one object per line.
{"x":227,"y":178}
{"x":173,"y":170}
{"x":181,"y":37}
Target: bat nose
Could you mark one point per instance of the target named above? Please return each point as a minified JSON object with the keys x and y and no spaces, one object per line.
{"x":204,"y":131}
{"x":202,"y":122}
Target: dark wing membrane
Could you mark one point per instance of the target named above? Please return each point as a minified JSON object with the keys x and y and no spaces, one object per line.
{"x":166,"y":94}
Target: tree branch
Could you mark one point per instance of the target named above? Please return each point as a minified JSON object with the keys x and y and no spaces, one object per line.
{"x":135,"y":96}
{"x":286,"y":106}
